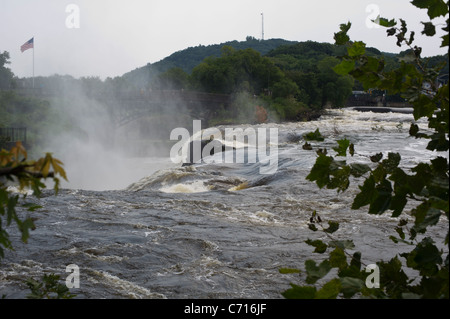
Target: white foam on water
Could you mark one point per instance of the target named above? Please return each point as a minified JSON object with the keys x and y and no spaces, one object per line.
{"x":124,"y":287}
{"x":194,"y":187}
{"x":18,"y":190}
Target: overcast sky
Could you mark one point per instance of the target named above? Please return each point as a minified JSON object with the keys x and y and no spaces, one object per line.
{"x":116,"y":36}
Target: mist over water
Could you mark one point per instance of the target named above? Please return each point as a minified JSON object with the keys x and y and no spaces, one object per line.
{"x":98,"y":153}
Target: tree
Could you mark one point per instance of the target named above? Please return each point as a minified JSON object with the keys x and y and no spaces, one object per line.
{"x":335,"y":88}
{"x":309,"y":64}
{"x":237,"y":70}
{"x":175,"y":79}
{"x":6,"y":76}
{"x":388,"y":188}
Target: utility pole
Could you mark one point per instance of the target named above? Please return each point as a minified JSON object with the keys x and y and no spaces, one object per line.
{"x":262,"y":30}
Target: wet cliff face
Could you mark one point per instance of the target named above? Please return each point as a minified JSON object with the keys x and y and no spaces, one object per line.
{"x":218,"y":230}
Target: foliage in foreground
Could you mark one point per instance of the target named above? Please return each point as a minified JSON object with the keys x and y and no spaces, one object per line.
{"x":388,"y":187}
{"x":48,"y":288}
{"x":17,"y":169}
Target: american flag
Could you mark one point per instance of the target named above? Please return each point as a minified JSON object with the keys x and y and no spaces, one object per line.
{"x":27,"y":45}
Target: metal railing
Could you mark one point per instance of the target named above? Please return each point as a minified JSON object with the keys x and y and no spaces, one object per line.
{"x":10,"y":135}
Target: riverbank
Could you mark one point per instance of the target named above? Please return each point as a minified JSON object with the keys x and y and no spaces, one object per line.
{"x":382,"y":109}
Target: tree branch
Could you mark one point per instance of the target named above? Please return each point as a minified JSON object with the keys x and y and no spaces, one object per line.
{"x":22,"y":169}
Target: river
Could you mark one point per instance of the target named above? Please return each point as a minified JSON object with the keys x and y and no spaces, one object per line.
{"x":211,"y":230}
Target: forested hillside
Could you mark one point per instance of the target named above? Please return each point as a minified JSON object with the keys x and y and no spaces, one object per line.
{"x":189,"y":58}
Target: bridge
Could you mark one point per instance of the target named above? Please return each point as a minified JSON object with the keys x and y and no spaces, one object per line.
{"x":10,"y":135}
{"x":129,"y":105}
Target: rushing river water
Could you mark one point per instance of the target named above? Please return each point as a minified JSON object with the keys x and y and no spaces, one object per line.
{"x":211,"y":230}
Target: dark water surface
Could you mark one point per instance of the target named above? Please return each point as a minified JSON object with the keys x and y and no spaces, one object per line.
{"x":211,"y":231}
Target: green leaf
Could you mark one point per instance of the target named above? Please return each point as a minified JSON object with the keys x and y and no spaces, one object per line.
{"x":390,"y":32}
{"x":423,"y":107}
{"x":445,"y":40}
{"x":383,"y":197}
{"x":372,"y":65}
{"x":368,"y":71}
{"x":394,"y":239}
{"x":341,"y":37}
{"x":398,"y":203}
{"x":440,"y":166}
{"x":414,"y":129}
{"x":409,"y":57}
{"x":350,"y":286}
{"x":425,"y":258}
{"x":356,"y":49}
{"x":288,"y":271}
{"x":400,"y":232}
{"x":423,"y":174}
{"x":314,"y":136}
{"x":402,"y":222}
{"x":49,"y":288}
{"x":333,"y":227}
{"x":352,"y":149}
{"x":411,"y":40}
{"x":435,"y":8}
{"x":25,"y":227}
{"x":299,"y":292}
{"x":340,"y":178}
{"x":425,"y":216}
{"x":338,"y":259}
{"x":438,"y":142}
{"x":320,"y":246}
{"x":11,"y":215}
{"x":429,"y":29}
{"x":367,"y":194}
{"x":385,"y":22}
{"x":342,"y":148}
{"x":392,"y":162}
{"x":330,"y":290}
{"x":342,"y":244}
{"x":359,"y":170}
{"x":392,"y":277}
{"x":316,"y":272}
{"x":355,"y":263}
{"x":345,"y":67}
{"x":376,"y":158}
{"x":31,"y":207}
{"x":307,"y":146}
{"x":320,"y":173}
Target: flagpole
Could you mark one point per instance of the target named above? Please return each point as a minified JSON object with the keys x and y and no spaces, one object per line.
{"x":33,"y":62}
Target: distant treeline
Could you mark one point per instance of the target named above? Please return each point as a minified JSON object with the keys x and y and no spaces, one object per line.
{"x":288,"y":79}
